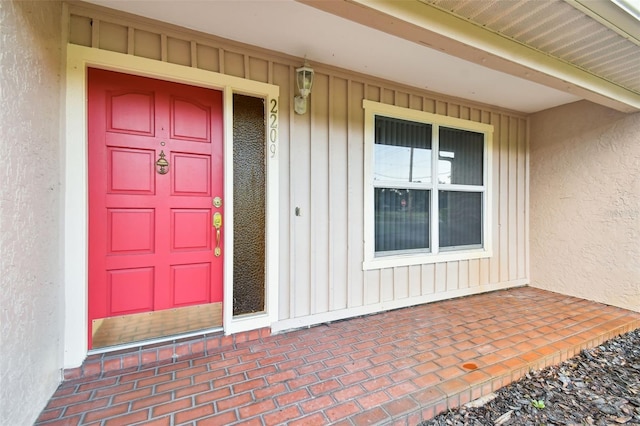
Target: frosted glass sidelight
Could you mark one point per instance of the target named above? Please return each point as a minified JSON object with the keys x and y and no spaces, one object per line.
{"x":249,"y":206}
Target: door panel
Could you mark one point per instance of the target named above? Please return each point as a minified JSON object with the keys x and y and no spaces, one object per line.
{"x":191,"y":175}
{"x":130,"y":112}
{"x":189,"y":121}
{"x":130,"y":171}
{"x":130,"y":231}
{"x":190,"y":229}
{"x":190,"y":284}
{"x":151,"y":244}
{"x":130,"y":290}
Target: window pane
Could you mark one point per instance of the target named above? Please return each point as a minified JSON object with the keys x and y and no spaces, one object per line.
{"x":402,"y":151}
{"x":460,"y":218}
{"x":461,"y":157}
{"x":401,"y":219}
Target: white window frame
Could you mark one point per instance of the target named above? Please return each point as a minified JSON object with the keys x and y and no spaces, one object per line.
{"x":373,"y":109}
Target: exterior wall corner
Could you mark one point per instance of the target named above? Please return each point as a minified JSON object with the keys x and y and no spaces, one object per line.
{"x":31,"y":290}
{"x":585,"y":203}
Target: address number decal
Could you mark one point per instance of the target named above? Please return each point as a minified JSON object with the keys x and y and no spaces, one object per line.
{"x":273,"y":126}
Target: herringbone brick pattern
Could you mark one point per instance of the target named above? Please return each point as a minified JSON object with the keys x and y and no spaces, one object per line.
{"x":398,"y":367}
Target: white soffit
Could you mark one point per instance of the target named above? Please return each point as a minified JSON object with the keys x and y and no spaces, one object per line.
{"x":595,"y":36}
{"x":553,"y":42}
{"x":296,"y":29}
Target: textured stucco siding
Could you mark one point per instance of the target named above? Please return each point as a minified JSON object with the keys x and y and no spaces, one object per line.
{"x":31,"y":310}
{"x":585,"y":203}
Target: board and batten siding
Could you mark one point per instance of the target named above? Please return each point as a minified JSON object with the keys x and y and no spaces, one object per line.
{"x":322,"y":173}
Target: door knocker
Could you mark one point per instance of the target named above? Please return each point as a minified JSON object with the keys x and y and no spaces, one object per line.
{"x":163,"y":164}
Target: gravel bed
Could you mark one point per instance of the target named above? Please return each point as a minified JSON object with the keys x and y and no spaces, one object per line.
{"x":600,"y":386}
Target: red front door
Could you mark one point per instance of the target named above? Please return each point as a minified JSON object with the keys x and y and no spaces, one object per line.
{"x":152,"y":240}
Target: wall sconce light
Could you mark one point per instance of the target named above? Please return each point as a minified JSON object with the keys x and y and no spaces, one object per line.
{"x":304,"y":80}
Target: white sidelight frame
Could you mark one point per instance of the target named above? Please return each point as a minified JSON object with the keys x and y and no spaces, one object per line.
{"x":373,"y":109}
{"x":75,"y":186}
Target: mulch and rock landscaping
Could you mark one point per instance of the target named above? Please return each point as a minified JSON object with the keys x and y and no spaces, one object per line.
{"x":600,"y":386}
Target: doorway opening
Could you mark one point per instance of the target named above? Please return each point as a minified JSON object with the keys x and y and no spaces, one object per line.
{"x":156,"y":235}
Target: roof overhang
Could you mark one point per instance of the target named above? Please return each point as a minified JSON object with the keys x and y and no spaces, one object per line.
{"x":412,"y":42}
{"x":428,"y":25}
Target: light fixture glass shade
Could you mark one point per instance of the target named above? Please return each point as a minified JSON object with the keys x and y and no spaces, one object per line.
{"x":300,"y":105}
{"x":304,"y":79}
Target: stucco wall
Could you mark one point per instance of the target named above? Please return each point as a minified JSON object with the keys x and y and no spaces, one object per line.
{"x":31,"y":310}
{"x":585,"y":203}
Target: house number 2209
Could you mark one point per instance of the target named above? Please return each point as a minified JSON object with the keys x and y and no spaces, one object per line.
{"x":273,"y":126}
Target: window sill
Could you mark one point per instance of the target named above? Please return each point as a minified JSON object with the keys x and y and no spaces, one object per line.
{"x":421,"y":259}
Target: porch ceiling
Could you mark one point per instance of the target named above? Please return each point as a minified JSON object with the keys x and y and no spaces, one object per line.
{"x":521,"y":55}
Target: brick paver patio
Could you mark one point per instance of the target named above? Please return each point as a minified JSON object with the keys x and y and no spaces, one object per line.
{"x":397,"y":367}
